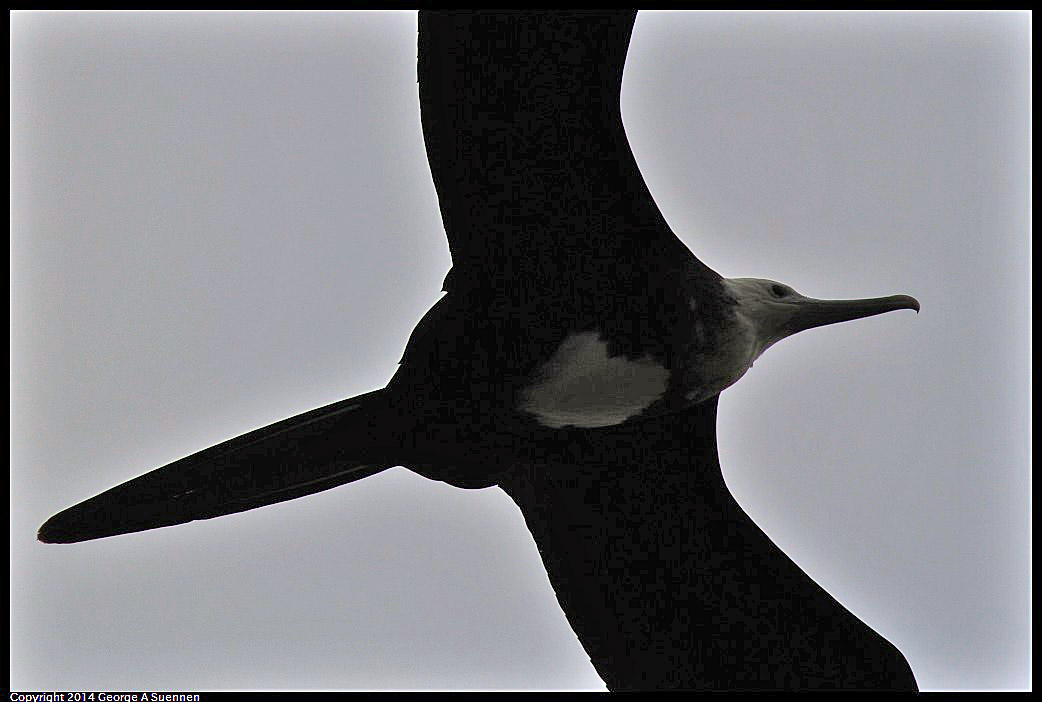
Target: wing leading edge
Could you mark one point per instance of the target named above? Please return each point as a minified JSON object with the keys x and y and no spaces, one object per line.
{"x":524,"y":135}
{"x":669,"y":584}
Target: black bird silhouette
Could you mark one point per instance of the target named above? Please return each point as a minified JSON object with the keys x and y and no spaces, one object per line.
{"x":575,"y":361}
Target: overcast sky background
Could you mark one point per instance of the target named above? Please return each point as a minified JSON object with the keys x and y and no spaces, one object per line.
{"x":221,"y":220}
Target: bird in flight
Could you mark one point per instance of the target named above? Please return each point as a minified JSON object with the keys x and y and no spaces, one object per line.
{"x":575,"y":360}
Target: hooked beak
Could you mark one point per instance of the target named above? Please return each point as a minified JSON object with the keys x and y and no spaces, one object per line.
{"x":816,"y":313}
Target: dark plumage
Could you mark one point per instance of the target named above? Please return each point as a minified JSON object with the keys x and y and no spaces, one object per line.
{"x":575,"y":361}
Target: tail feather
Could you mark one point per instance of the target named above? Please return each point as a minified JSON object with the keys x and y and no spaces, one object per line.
{"x":308,"y":453}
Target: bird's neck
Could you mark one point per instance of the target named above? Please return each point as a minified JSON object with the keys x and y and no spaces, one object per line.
{"x":722,"y":356}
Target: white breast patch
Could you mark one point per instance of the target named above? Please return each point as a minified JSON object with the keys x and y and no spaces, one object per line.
{"x":583,"y":386}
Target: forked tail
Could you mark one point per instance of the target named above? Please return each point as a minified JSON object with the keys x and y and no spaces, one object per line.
{"x":308,"y":453}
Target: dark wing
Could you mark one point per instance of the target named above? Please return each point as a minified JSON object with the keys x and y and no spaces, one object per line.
{"x":669,"y":584}
{"x":526,"y":145}
{"x":308,"y":453}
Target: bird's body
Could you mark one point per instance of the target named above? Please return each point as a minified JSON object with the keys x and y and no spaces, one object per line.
{"x":576,"y":361}
{"x":601,"y":348}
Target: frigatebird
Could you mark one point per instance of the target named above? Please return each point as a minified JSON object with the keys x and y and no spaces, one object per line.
{"x":575,"y":360}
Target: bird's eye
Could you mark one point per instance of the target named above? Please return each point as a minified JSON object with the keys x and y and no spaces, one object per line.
{"x":778,"y":291}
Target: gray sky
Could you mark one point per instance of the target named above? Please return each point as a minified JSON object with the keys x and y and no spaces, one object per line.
{"x":221,"y":220}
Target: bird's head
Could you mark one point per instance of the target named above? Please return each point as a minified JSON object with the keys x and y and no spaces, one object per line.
{"x":773,"y":310}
